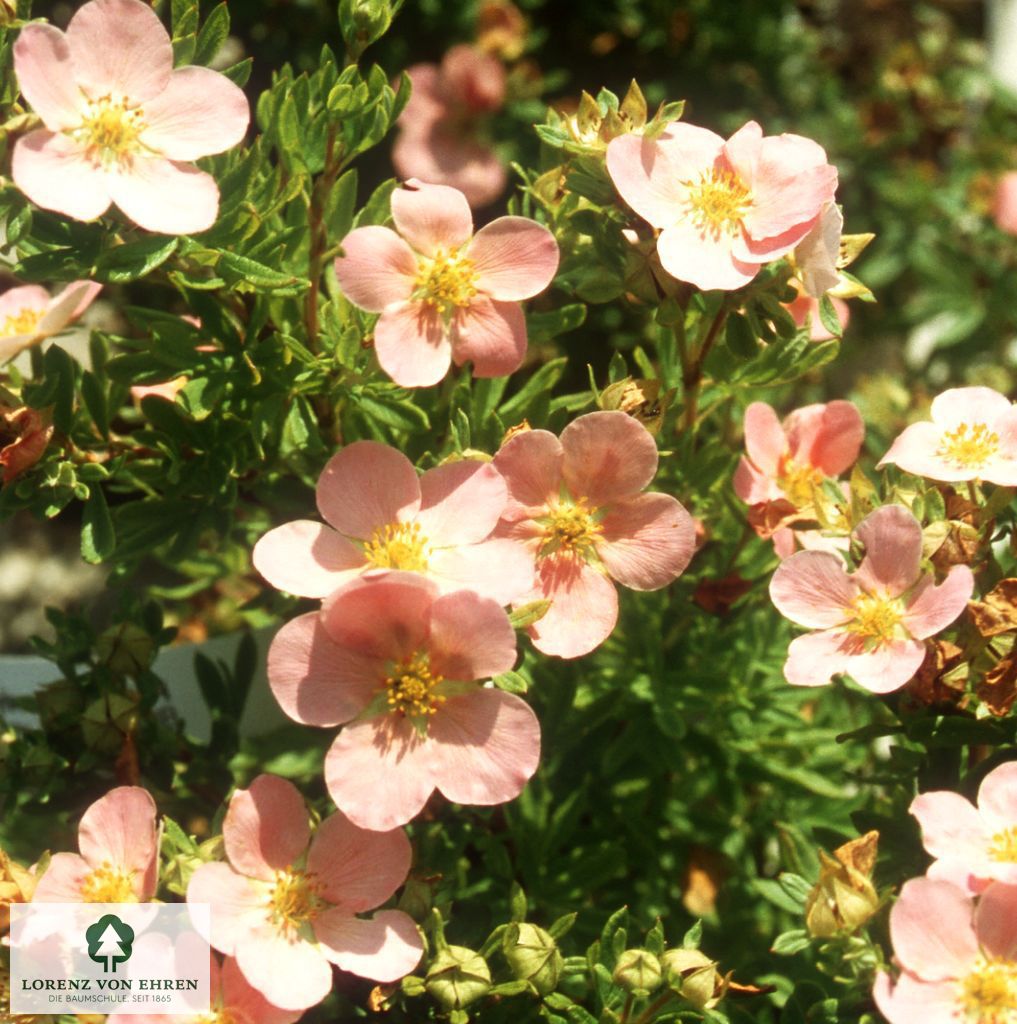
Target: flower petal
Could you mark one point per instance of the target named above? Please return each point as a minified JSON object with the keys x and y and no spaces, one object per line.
{"x":200,"y":112}
{"x":765,"y":440}
{"x":485,"y":747}
{"x":893,"y":550}
{"x":413,"y":345}
{"x":500,"y":568}
{"x":951,"y":827}
{"x":67,"y":306}
{"x":436,"y":152}
{"x":914,"y":1001}
{"x":461,"y":502}
{"x":531,"y":463}
{"x":120,"y":829}
{"x":955,"y":406}
{"x":700,"y":257}
{"x":647,"y":541}
{"x":432,"y":217}
{"x":996,"y":921}
{"x":425,"y":105}
{"x":53,"y":171}
{"x":813,"y":589}
{"x":165,"y":196}
{"x":238,"y":904}
{"x":609,"y":456}
{"x":314,"y":679}
{"x":932,"y":932}
{"x":63,"y":879}
{"x":239,"y":995}
{"x":997,"y":797}
{"x":366,"y":486}
{"x":916,"y":450}
{"x":813,"y":659}
{"x":266,"y":828}
{"x":887,"y":667}
{"x":120,"y":48}
{"x":514,"y":258}
{"x":932,"y":608}
{"x":42,"y":61}
{"x":384,"y":948}
{"x":471,"y":637}
{"x":491,"y":335}
{"x":377,"y":268}
{"x":357,"y":869}
{"x":289,"y":972}
{"x":584,"y":607}
{"x":817,"y":254}
{"x":26,"y":298}
{"x":307,"y":558}
{"x":828,"y":436}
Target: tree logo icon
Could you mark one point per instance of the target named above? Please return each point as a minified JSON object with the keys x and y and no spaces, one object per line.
{"x":109,"y":942}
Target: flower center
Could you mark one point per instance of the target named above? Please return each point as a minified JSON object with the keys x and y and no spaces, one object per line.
{"x":110,"y":131}
{"x":874,"y":617}
{"x":25,"y":321}
{"x":970,"y":446}
{"x":718,"y":202}
{"x":447,"y":281}
{"x":397,"y":546}
{"x":411,"y":687}
{"x":295,"y":898}
{"x":989,"y":993}
{"x":221,"y":1016}
{"x":1004,"y":846}
{"x":571,"y":528}
{"x":108,"y":884}
{"x":797,"y":482}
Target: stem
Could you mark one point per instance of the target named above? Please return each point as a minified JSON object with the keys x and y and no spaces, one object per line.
{"x":651,"y":1011}
{"x":627,"y":1009}
{"x":319,"y":234}
{"x":692,"y":376}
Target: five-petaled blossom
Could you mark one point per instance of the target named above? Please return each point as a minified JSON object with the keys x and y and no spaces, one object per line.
{"x":119,"y":854}
{"x":286,"y":904}
{"x":958,"y":960}
{"x":29,"y":314}
{"x":233,"y":1001}
{"x":121,"y":124}
{"x":972,"y":436}
{"x":784,"y":463}
{"x":973,"y":846}
{"x":381,"y":515}
{"x":445,"y":294}
{"x":576,"y":503}
{"x":870,"y":623}
{"x":438,"y":130}
{"x":723,"y":208}
{"x":403,"y":665}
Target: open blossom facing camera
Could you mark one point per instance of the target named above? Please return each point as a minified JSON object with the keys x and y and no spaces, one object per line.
{"x":576,"y":503}
{"x":972,"y":436}
{"x":973,"y":846}
{"x":870,"y":624}
{"x":723,"y":208}
{"x":29,"y":314}
{"x":402,"y":666}
{"x":379,"y":514}
{"x":438,"y":131}
{"x":444,"y":293}
{"x":286,"y":904}
{"x":119,"y":854}
{"x":958,"y":960}
{"x":121,"y":124}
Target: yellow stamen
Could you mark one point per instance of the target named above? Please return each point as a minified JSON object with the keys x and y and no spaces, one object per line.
{"x":969,"y":446}
{"x":111,"y":131}
{"x":397,"y":546}
{"x":718,"y":203}
{"x":571,"y":527}
{"x":874,"y":618}
{"x":25,"y":321}
{"x":446,"y":282}
{"x":797,"y":482}
{"x":1004,"y":846}
{"x":294,"y":899}
{"x":411,"y":687}
{"x":220,"y":1016}
{"x":988,"y":994}
{"x":108,"y":884}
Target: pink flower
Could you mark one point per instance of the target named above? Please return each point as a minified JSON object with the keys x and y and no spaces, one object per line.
{"x":381,"y":515}
{"x":444,"y":293}
{"x":785,"y":461}
{"x":723,"y":208}
{"x":119,"y":857}
{"x":233,"y":1001}
{"x":958,"y":961}
{"x":805,"y":311}
{"x":438,"y":129}
{"x":28,"y":314}
{"x":168,"y":390}
{"x":286,"y":903}
{"x":401,"y":663}
{"x":121,"y":124}
{"x":575,"y":503}
{"x":1004,"y":209}
{"x":972,"y":436}
{"x":871,"y":623}
{"x":972,"y":846}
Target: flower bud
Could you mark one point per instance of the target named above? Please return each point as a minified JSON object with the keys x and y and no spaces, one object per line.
{"x":533,"y":956}
{"x":24,"y":434}
{"x":694,"y":976}
{"x":641,"y":399}
{"x":457,"y":977}
{"x":126,"y":649}
{"x":16,"y":886}
{"x":8,"y":12}
{"x":844,"y":898}
{"x":59,"y":702}
{"x":638,"y":970}
{"x":106,"y":721}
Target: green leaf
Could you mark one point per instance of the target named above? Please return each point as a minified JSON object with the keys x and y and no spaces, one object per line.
{"x":212,"y":35}
{"x":789,"y":943}
{"x":98,"y":539}
{"x":545,"y":326}
{"x":134,"y":260}
{"x":511,"y":682}
{"x":94,"y":396}
{"x":245,"y":274}
{"x":828,"y":316}
{"x":526,"y":615}
{"x":540,"y":383}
